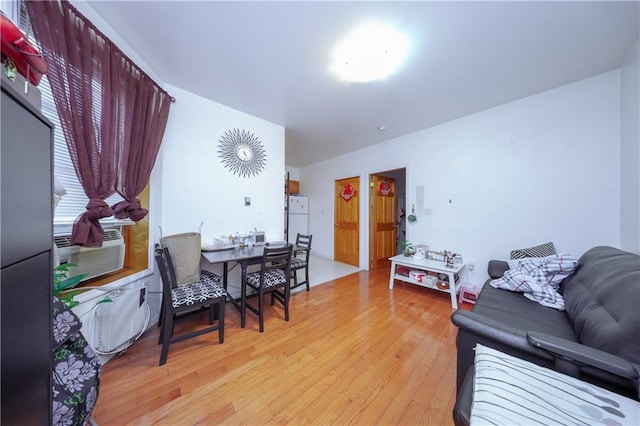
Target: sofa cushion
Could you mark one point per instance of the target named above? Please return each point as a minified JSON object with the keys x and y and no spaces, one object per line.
{"x":522,"y":314}
{"x":602,"y":300}
{"x":543,"y":250}
{"x":497,"y":268}
{"x":514,"y":315}
{"x":511,"y":391}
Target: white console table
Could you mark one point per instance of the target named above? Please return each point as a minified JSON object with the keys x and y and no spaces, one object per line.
{"x":427,"y":265}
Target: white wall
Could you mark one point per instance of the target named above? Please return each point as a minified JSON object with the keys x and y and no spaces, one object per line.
{"x":630,"y":152}
{"x":197,"y":188}
{"x":543,"y":168}
{"x":294,"y":172}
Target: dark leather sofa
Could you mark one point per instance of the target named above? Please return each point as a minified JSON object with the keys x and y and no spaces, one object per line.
{"x":597,"y":337}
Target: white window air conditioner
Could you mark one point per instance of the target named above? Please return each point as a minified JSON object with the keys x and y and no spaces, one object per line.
{"x":90,"y":261}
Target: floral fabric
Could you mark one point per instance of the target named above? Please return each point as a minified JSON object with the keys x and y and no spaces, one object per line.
{"x":76,"y":370}
{"x":65,"y":323}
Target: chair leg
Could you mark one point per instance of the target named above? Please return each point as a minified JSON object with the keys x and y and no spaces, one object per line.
{"x":261,"y":310}
{"x":162,"y":323}
{"x":212,"y":312}
{"x":306,"y":276}
{"x":167,"y":328}
{"x":287,"y":294}
{"x":294,"y":273}
{"x":243,"y":306}
{"x":161,"y":314}
{"x":221,"y":304}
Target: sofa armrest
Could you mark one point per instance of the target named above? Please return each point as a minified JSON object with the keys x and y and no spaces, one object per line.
{"x":497,"y":268}
{"x":498,"y":332}
{"x":584,"y":355}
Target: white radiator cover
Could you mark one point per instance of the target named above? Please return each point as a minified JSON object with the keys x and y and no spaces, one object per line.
{"x":113,"y":325}
{"x":116,"y":324}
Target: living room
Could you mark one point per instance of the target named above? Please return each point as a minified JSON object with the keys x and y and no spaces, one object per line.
{"x":558,"y":165}
{"x":572,"y":147}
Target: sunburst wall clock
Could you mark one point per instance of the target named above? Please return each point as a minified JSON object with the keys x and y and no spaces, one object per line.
{"x":242,"y":152}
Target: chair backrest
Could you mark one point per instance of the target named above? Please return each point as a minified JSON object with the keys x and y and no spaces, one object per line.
{"x":304,"y":241}
{"x":277,"y":258}
{"x":167,"y":273}
{"x":186,"y":256}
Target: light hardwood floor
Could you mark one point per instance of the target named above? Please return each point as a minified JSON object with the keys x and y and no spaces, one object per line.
{"x":353,"y":352}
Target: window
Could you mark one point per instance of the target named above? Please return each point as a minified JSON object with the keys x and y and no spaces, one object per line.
{"x":73,"y":203}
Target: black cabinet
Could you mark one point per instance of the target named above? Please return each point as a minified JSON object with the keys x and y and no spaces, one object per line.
{"x":26,"y":218}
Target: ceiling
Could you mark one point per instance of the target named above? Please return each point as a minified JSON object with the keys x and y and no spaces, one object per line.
{"x":271,"y":59}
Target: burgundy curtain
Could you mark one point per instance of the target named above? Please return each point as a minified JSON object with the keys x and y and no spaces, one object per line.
{"x":112,"y":114}
{"x":149,"y":115}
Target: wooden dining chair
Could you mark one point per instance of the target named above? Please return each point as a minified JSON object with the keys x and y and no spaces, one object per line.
{"x":179,"y":302}
{"x":273,"y":277}
{"x":300,"y":260}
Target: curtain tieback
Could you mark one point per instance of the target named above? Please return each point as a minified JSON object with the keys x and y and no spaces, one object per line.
{"x":131,"y":209}
{"x":87,"y":231}
{"x":97,"y":209}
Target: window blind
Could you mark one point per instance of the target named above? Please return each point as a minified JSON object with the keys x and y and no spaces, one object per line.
{"x":74,"y":202}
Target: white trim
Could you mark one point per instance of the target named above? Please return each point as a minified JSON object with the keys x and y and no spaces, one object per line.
{"x":107,"y":222}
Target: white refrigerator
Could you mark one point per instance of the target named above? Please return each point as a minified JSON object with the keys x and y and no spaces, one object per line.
{"x":298,"y":217}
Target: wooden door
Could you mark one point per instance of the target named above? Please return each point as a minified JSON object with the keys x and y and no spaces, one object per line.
{"x":346,"y":240}
{"x":383,"y":221}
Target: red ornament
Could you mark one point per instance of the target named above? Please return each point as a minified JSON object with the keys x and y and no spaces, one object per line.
{"x":348,"y":192}
{"x":385,"y":188}
{"x":24,"y":55}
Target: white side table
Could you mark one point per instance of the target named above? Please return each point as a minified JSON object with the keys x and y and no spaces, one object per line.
{"x":427,"y":265}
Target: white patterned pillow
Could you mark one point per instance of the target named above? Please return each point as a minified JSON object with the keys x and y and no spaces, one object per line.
{"x":511,"y":391}
{"x":543,"y":250}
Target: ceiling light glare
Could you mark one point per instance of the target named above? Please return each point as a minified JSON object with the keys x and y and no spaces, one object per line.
{"x":370,"y":52}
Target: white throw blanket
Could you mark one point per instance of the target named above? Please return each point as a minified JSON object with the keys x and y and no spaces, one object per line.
{"x":538,"y":278}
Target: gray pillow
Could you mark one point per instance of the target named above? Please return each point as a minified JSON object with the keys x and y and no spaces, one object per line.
{"x":543,"y":250}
